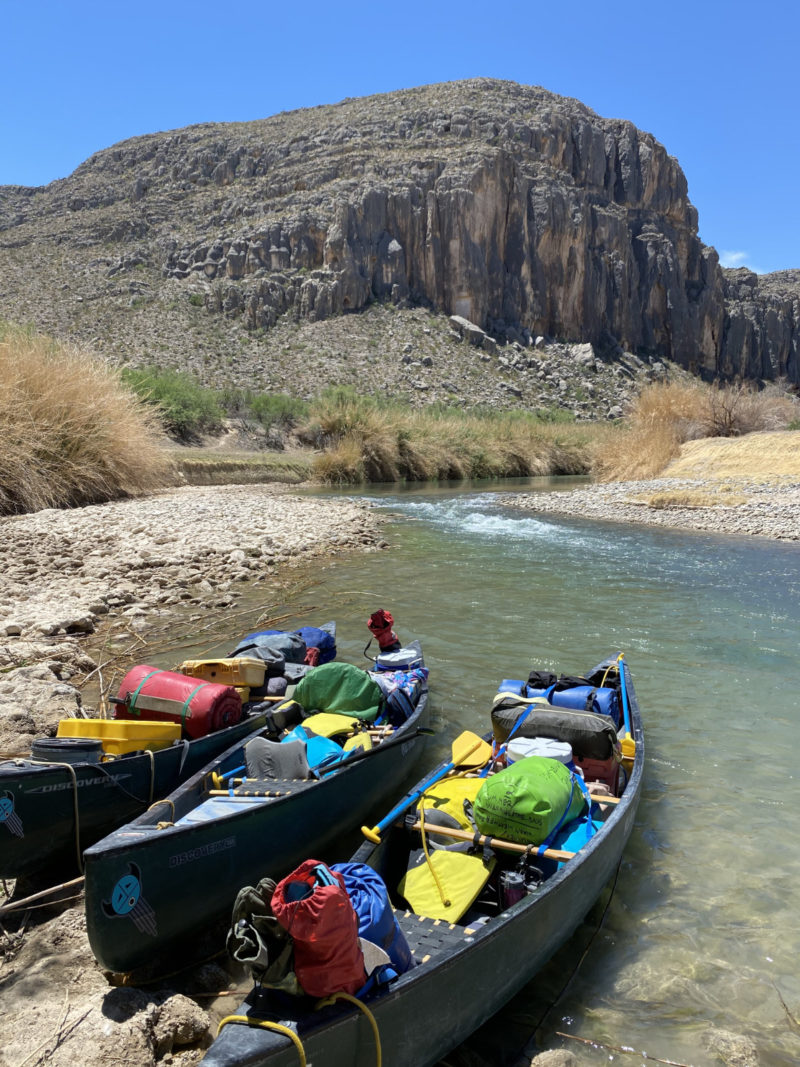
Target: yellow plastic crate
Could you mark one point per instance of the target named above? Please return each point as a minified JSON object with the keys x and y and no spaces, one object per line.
{"x":122,"y":735}
{"x":245,"y":671}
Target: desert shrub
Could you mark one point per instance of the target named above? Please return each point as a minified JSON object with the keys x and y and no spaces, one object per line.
{"x":277,"y":409}
{"x":665,"y":415}
{"x":185,"y":407}
{"x":72,"y":433}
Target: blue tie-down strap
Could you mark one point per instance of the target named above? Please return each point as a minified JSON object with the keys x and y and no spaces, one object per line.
{"x":546,"y":694}
{"x":380,"y":977}
{"x":590,"y":829}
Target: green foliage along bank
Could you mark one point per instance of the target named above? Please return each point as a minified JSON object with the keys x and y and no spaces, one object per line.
{"x":367,"y":439}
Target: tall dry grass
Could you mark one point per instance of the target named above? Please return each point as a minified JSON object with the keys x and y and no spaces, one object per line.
{"x":668,"y":414}
{"x":71,"y":433}
{"x":365,"y":440}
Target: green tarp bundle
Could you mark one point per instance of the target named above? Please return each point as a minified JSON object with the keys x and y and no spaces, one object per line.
{"x":340,"y":687}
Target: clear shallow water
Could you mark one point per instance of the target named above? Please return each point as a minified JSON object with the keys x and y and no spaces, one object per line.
{"x":702,"y":932}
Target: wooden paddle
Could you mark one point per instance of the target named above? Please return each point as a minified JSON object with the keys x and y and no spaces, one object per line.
{"x":493,"y":842}
{"x":463,"y":747}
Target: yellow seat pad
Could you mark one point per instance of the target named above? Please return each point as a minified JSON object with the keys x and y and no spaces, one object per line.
{"x":331,"y":724}
{"x":461,"y":876}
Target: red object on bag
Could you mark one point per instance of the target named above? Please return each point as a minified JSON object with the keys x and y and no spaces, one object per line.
{"x":380,"y":625}
{"x":312,"y":656}
{"x":200,"y":707}
{"x":312,"y":904}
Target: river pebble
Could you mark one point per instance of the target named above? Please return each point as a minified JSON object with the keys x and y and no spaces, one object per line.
{"x":766,"y":510}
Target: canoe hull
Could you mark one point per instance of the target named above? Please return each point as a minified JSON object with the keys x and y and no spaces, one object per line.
{"x":45,"y":796}
{"x":185,"y":877}
{"x":434,"y":1007}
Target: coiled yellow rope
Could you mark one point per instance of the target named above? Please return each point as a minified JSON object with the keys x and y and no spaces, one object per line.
{"x":363,"y":1008}
{"x":266,"y":1024}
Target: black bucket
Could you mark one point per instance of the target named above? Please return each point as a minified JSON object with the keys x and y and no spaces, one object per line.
{"x":68,"y":749}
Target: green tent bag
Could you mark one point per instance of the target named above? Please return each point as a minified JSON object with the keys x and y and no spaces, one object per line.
{"x":525,"y":802}
{"x":340,"y":687}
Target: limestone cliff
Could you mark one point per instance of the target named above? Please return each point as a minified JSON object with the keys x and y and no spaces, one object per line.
{"x":523,"y":212}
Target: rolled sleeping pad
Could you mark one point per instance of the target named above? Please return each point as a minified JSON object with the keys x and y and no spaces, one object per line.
{"x":201,"y":708}
{"x":601,"y":701}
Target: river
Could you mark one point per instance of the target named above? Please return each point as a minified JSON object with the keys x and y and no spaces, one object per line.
{"x":696,"y":957}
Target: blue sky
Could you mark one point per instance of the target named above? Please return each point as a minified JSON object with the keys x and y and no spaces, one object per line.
{"x":715,"y":82}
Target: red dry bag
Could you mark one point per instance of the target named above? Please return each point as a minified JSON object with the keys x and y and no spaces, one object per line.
{"x":380,"y":625}
{"x":312,"y":904}
{"x":166,"y":696}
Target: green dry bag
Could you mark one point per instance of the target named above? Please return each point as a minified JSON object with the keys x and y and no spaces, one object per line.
{"x":528,"y":800}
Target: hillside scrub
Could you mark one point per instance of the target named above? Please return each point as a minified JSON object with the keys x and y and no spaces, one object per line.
{"x":189,"y":410}
{"x":367,"y":439}
{"x":185,"y":408}
{"x":666,"y":415}
{"x":72,"y":433}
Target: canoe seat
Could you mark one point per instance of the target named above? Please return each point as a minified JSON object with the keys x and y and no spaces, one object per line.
{"x":428,"y":938}
{"x":263,"y":787}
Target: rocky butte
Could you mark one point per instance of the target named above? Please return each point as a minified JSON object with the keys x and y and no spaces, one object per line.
{"x":523,"y":212}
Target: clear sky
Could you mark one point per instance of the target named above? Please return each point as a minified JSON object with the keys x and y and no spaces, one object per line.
{"x":717,"y":83}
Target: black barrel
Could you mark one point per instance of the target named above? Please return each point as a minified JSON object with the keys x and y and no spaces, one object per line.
{"x":67,"y":749}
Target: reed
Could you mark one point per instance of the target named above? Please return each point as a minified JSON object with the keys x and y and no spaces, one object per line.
{"x":72,"y":434}
{"x":372,"y":440}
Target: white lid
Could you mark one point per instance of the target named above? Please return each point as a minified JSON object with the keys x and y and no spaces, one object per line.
{"x":520,"y":747}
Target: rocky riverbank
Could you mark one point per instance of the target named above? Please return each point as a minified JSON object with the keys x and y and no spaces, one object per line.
{"x":132,"y":564}
{"x":123,"y":569}
{"x":745,"y":508}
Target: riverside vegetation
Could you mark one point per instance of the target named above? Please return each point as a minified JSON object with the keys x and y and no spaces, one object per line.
{"x":77,"y":431}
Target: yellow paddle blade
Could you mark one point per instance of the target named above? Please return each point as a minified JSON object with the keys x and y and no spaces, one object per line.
{"x":470,"y":750}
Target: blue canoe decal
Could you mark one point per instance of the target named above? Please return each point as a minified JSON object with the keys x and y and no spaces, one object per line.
{"x":127,"y":902}
{"x":9,"y":817}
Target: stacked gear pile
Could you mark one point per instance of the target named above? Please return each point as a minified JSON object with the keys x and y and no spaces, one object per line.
{"x":335,"y":710}
{"x":320,"y":931}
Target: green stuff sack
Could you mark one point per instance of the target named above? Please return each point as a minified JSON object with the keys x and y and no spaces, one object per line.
{"x":525,"y":802}
{"x":340,"y":687}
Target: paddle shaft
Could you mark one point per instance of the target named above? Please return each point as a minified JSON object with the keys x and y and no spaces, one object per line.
{"x":492,"y":842}
{"x":626,"y":715}
{"x":374,"y":833}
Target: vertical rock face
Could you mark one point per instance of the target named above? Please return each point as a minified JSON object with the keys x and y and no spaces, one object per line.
{"x":762,"y":325}
{"x":506,"y":205}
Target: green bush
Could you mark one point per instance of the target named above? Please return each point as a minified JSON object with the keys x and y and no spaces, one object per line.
{"x":278,"y":409}
{"x":186,"y":408}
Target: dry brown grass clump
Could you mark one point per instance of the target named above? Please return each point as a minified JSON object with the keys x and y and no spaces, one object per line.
{"x":668,"y":414}
{"x":71,"y":433}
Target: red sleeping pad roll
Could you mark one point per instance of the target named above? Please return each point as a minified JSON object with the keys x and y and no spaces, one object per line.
{"x":166,"y":696}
